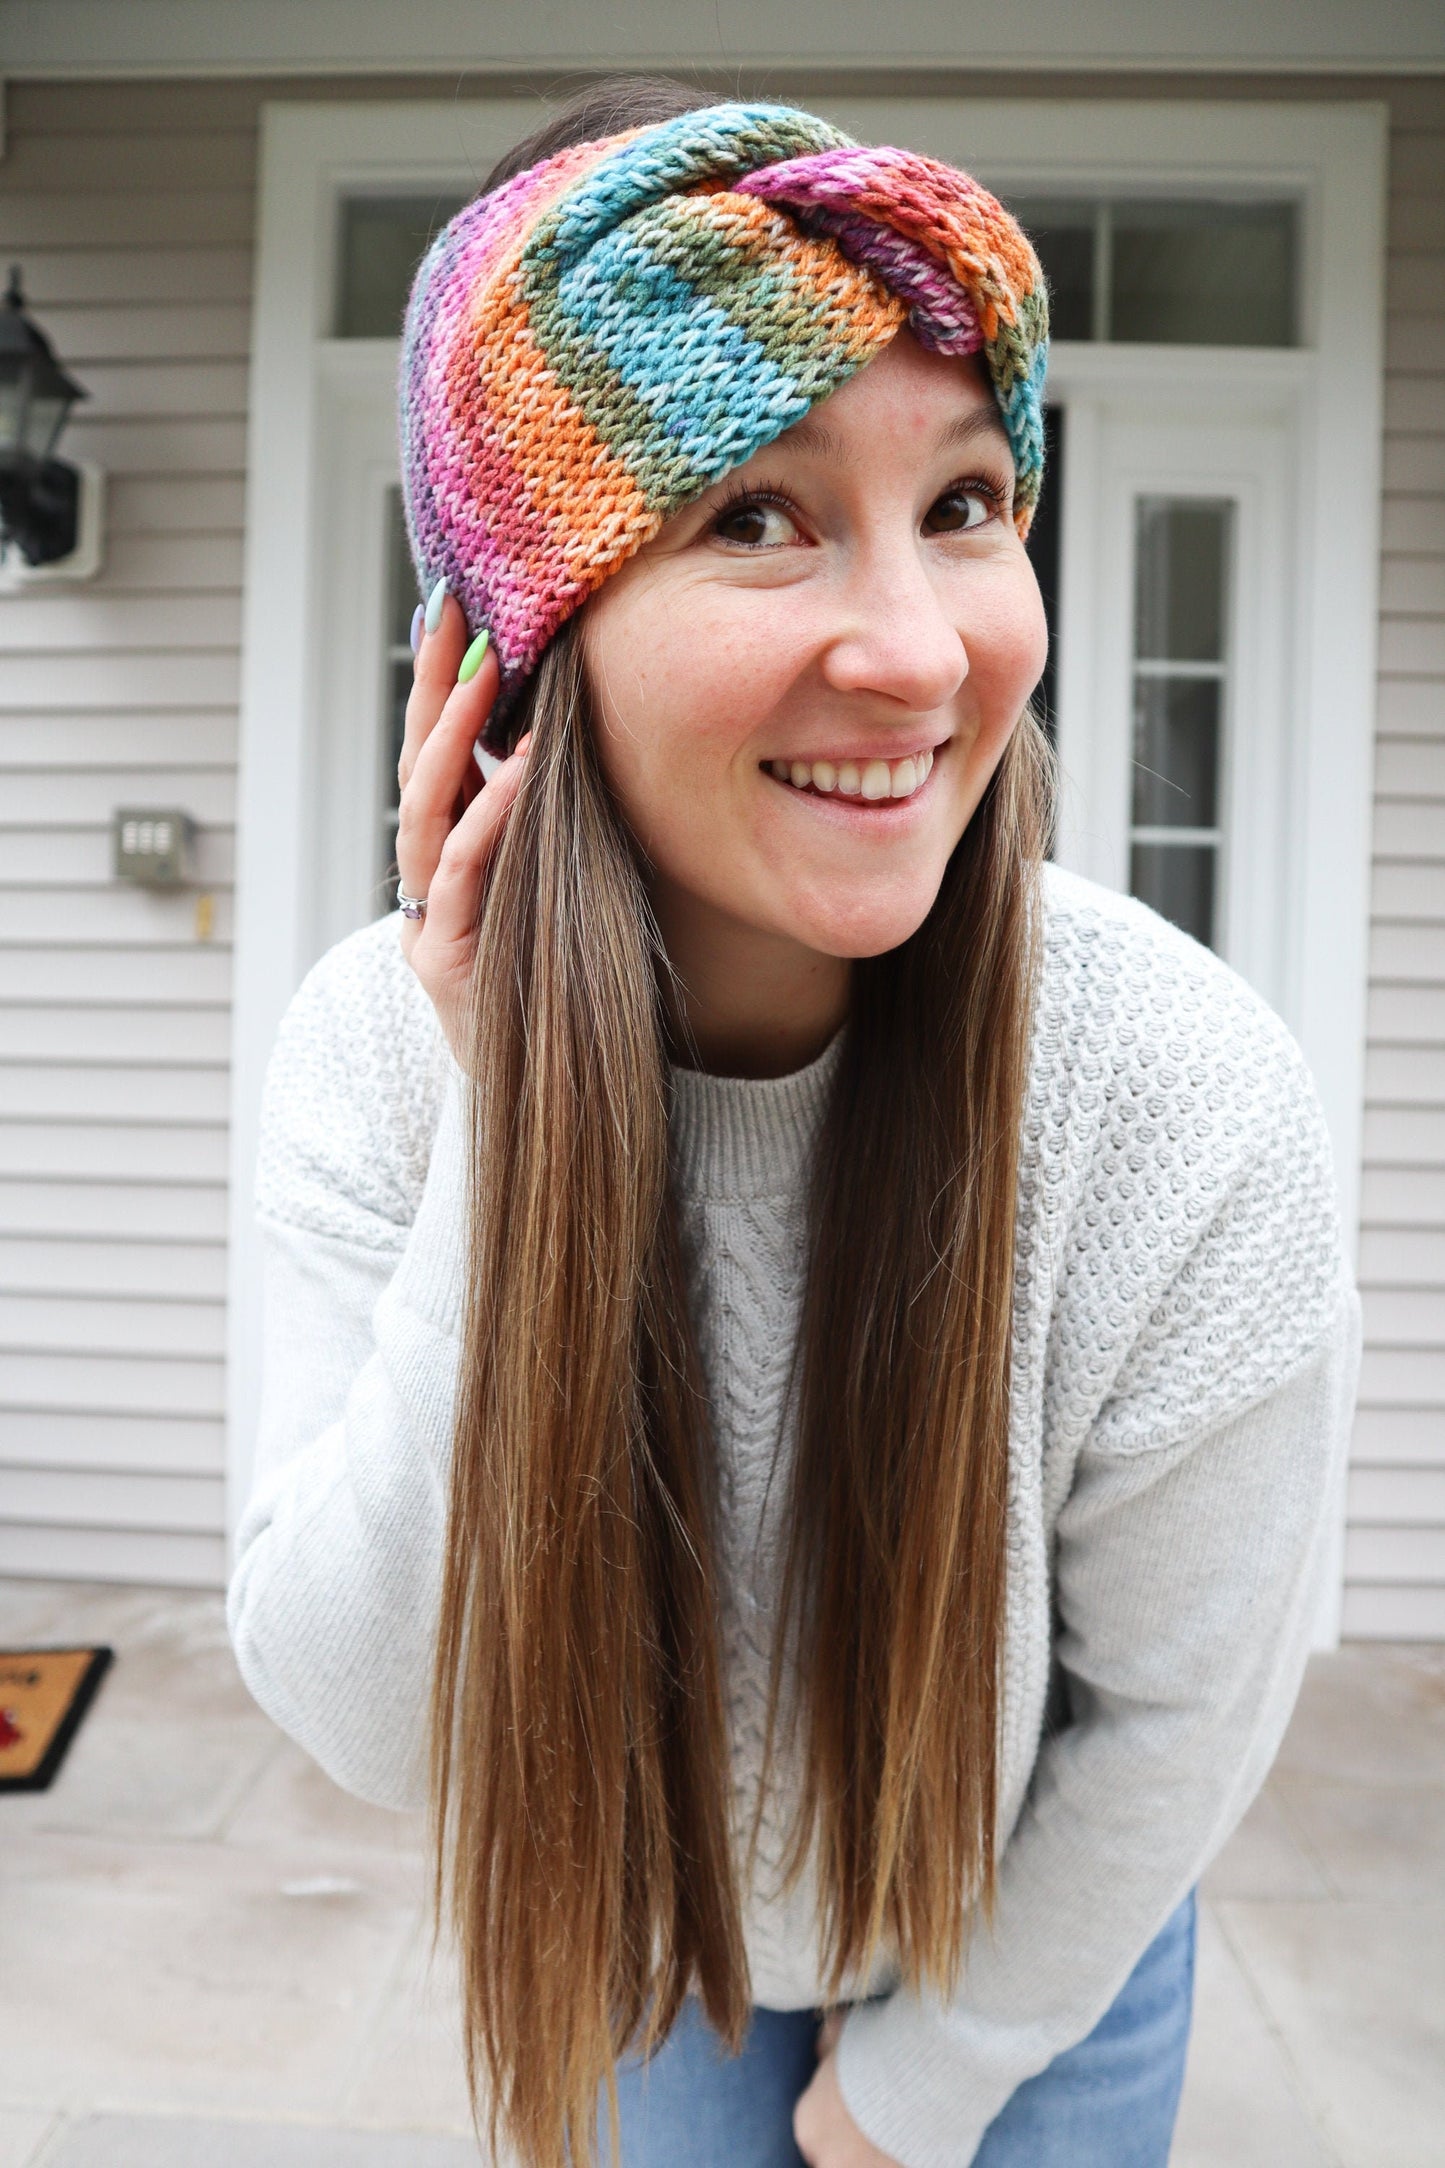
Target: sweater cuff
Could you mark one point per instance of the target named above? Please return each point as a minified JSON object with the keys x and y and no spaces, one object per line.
{"x":430,"y":1280}
{"x":907,"y":2089}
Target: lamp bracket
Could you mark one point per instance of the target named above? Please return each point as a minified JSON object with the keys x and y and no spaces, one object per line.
{"x":83,"y":562}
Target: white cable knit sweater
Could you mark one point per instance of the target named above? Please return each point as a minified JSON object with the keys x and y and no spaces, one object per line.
{"x":1186,"y":1345}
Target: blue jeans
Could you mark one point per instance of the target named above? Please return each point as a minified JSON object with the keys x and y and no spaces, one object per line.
{"x":1110,"y":2102}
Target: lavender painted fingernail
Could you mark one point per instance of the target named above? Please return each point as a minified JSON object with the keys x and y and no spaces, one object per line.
{"x":418,"y":625}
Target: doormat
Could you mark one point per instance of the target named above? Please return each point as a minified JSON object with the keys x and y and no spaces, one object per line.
{"x":44,"y":1693}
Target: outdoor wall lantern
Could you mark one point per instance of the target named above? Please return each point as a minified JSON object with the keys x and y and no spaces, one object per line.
{"x":49,"y":509}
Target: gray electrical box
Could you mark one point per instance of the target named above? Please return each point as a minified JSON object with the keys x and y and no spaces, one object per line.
{"x":152,"y":845}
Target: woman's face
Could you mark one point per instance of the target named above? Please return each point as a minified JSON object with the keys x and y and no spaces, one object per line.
{"x":803,"y":683}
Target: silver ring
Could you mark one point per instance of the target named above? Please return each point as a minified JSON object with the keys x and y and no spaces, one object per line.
{"x":410,"y":906}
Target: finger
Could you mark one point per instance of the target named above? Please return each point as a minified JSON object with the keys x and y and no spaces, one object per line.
{"x":455,"y":891}
{"x":434,"y":672}
{"x":435,"y":663}
{"x":444,"y":779}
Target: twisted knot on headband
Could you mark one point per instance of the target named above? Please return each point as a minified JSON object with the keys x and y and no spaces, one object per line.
{"x":598,"y":340}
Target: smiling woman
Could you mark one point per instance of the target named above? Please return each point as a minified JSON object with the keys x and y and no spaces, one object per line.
{"x":807,"y":1350}
{"x":864,"y":629}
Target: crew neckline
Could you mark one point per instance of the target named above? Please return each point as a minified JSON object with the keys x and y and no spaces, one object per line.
{"x":735,"y":1136}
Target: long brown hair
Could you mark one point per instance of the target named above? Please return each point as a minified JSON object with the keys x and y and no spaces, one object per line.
{"x":579,"y":1745}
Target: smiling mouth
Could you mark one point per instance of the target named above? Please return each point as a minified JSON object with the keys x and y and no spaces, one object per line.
{"x":873,"y":782}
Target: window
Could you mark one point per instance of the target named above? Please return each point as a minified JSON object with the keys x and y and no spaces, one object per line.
{"x":381,"y":242}
{"x":1043,"y":548}
{"x":401,"y":600}
{"x":1175,"y":272}
{"x":1181,"y":588}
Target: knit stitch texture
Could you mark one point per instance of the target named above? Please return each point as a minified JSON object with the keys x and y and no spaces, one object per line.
{"x":593,"y":343}
{"x":1185,"y":1347}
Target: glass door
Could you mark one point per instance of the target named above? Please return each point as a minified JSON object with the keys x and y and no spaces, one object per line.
{"x":1182,"y":656}
{"x":394,"y":690}
{"x":362,"y":615}
{"x":1174,"y":680}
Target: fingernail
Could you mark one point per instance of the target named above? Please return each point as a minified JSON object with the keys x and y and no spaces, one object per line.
{"x":522,"y":744}
{"x":472,"y":660}
{"x":433,"y":613}
{"x":418,"y":624}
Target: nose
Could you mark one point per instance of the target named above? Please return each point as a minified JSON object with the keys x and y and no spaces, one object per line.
{"x":893,"y":636}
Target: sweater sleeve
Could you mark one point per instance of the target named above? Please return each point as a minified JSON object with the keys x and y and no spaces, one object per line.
{"x":1186,"y":1572}
{"x":332,"y":1601}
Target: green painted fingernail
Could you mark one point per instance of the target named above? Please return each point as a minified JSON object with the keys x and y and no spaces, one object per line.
{"x":472,"y":660}
{"x":434,"y":603}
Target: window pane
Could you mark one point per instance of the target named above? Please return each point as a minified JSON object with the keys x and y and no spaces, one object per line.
{"x":1179,"y":584}
{"x":1176,"y":752}
{"x":401,"y":600}
{"x":1204,"y":274}
{"x":401,"y":594}
{"x":1043,"y":549}
{"x":1062,"y":231}
{"x":1177,"y":880}
{"x":1182,"y":663}
{"x":383,"y":239}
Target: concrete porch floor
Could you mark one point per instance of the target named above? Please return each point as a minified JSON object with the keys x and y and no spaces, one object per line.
{"x":208,"y":1954}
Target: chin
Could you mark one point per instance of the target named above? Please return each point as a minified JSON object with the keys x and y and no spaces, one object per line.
{"x":858,"y":933}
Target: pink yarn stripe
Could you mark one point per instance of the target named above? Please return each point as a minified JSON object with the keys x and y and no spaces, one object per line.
{"x":939,"y":305}
{"x":917,"y":197}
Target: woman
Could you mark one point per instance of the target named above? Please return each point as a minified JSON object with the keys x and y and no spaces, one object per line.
{"x":823,"y":1340}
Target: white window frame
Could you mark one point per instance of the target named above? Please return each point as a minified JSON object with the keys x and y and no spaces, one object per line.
{"x":1332,"y":156}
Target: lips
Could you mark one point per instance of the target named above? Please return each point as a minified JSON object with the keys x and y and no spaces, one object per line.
{"x":873,"y":781}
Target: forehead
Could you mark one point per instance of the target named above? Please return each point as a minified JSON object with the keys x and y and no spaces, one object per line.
{"x":942,"y":401}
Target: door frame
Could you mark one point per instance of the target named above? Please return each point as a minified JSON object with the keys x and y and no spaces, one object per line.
{"x":1333,"y":156}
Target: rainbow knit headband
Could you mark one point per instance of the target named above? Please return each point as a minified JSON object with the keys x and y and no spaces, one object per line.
{"x":602,"y":337}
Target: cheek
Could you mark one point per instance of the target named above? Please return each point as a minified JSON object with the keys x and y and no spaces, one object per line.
{"x":684,"y":683}
{"x":661,"y":709}
{"x":1008,"y":643}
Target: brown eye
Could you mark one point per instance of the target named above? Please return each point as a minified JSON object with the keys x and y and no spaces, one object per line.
{"x":958,"y":511}
{"x":753,"y":523}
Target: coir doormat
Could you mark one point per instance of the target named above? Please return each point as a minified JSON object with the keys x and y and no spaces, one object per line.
{"x":44,"y":1693}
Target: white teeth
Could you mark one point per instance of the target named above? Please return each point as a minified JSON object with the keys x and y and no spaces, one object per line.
{"x":870,"y":779}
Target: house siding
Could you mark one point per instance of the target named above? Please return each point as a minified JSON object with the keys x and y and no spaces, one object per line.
{"x":131,"y":208}
{"x":1395,"y":1542}
{"x":131,"y":214}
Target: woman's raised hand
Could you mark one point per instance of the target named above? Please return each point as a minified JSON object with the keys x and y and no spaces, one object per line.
{"x":449,"y":822}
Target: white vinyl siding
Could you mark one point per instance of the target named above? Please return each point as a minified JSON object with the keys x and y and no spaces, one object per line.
{"x":130,"y":206}
{"x":1395,"y":1547}
{"x":130,"y":211}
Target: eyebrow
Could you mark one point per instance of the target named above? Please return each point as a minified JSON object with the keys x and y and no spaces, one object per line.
{"x":813,"y":435}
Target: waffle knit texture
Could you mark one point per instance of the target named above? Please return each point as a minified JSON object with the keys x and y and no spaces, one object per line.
{"x":602,"y":337}
{"x":1186,"y":1353}
{"x":1185,"y":1350}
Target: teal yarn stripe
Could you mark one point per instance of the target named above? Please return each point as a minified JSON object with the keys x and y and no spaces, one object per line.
{"x":782,"y":311}
{"x":703,"y":145}
{"x":684,"y":350}
{"x":709,"y":388}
